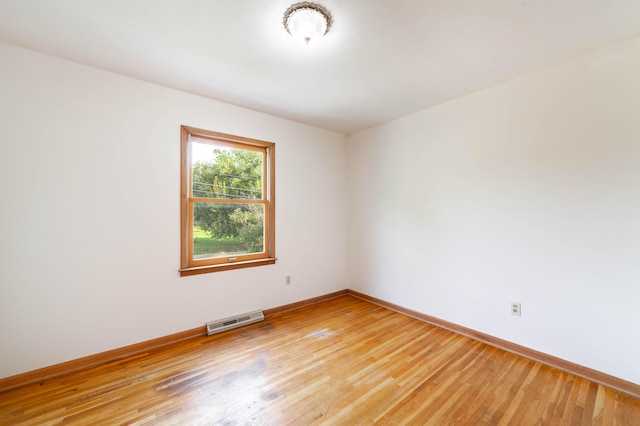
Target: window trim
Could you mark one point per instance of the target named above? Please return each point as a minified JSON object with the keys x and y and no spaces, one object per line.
{"x":190,"y":266}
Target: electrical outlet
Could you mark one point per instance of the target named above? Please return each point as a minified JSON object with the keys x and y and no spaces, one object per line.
{"x":287,"y":280}
{"x":516,"y":309}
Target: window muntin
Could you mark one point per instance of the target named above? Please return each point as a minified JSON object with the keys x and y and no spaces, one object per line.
{"x":227,"y":202}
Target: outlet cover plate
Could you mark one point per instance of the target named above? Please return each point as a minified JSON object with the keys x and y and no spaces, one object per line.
{"x":516,"y":308}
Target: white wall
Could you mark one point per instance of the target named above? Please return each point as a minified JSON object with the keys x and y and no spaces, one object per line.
{"x":527,"y":192}
{"x":89,"y":223}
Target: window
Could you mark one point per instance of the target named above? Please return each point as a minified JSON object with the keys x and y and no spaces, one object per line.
{"x":227,"y":202}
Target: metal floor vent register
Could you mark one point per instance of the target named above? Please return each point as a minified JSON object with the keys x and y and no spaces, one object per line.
{"x":236,"y":321}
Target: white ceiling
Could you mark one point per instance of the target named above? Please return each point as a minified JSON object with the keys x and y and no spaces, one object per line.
{"x":382,"y":59}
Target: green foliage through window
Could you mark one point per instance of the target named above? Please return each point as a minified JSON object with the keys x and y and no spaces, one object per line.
{"x":227,"y":192}
{"x":231,"y":174}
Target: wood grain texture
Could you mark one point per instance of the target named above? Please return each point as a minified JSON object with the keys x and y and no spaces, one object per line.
{"x":101,"y":358}
{"x":615,"y":383}
{"x":303,"y":303}
{"x":342,"y":361}
{"x":95,"y":360}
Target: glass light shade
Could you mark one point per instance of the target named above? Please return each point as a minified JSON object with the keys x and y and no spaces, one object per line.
{"x":307,"y":22}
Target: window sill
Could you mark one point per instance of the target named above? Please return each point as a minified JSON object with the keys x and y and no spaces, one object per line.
{"x":226,"y":266}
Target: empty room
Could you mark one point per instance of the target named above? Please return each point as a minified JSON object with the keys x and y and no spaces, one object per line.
{"x":332,"y":212}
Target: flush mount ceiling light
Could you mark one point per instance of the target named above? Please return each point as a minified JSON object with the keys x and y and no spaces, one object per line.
{"x":306,"y":21}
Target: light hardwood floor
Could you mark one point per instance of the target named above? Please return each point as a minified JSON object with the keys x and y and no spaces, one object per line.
{"x":343,"y":361}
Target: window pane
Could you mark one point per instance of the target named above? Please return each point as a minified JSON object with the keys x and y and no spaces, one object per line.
{"x":227,"y":230}
{"x":222,"y":172}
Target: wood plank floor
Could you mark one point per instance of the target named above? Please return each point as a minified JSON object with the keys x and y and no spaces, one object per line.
{"x":343,"y":361}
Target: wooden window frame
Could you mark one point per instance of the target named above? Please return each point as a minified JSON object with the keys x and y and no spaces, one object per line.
{"x":191,"y":266}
